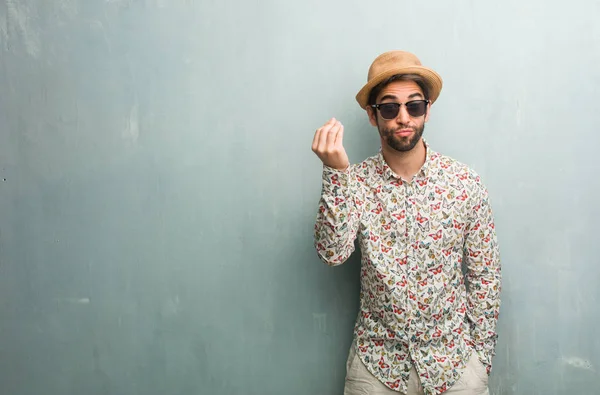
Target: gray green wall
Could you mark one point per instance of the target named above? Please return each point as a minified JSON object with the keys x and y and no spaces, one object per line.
{"x":158,"y":191}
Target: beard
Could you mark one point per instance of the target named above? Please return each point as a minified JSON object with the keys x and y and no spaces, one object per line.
{"x":401,"y":143}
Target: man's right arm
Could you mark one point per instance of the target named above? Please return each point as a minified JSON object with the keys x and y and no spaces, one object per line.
{"x":338,"y":216}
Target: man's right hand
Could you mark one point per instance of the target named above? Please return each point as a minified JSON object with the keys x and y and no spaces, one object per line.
{"x":327,"y":144}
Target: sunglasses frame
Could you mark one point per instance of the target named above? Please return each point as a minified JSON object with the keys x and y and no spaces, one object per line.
{"x":376,"y":106}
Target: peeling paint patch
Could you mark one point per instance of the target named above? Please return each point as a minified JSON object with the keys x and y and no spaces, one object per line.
{"x":578,"y":363}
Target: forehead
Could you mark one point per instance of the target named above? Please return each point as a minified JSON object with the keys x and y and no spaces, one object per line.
{"x":401,"y":90}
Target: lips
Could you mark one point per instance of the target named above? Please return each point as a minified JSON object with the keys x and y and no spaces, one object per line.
{"x":403,"y":132}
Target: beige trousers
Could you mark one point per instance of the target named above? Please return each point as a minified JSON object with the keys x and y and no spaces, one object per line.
{"x":359,"y":381}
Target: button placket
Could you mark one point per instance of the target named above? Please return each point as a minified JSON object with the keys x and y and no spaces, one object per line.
{"x":412,"y":264}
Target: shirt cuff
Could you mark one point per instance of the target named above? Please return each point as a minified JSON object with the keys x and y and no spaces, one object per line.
{"x":335,"y":181}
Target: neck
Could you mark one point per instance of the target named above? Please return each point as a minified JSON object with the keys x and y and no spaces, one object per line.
{"x":405,"y":164}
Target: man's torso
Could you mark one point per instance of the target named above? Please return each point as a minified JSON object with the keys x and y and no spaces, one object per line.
{"x":413,"y":296}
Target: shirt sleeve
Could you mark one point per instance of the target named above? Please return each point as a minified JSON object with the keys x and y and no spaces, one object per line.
{"x":338,"y":216}
{"x":483,"y":276}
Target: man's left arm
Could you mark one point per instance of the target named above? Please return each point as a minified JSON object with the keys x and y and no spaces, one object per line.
{"x":483,"y":276}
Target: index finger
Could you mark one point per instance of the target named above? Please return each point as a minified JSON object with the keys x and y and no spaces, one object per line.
{"x":340,"y":135}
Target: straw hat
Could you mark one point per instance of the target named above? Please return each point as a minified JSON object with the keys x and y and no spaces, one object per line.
{"x":398,"y":62}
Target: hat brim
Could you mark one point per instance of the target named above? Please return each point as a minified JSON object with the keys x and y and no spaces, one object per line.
{"x":432,"y":80}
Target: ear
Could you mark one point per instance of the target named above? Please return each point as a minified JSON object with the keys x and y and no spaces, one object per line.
{"x":372,"y":115}
{"x":428,"y":111}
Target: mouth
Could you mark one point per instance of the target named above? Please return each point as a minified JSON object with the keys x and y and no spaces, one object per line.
{"x":403,"y":132}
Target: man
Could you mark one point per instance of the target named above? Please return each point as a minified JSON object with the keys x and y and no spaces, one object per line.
{"x":424,"y":325}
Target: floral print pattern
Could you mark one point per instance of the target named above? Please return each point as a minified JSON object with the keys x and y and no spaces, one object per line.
{"x":430,"y":266}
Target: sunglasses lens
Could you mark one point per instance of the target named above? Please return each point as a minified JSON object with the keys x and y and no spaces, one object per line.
{"x":389,"y":110}
{"x":416,"y":108}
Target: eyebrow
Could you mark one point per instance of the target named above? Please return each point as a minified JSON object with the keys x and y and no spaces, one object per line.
{"x":411,"y":96}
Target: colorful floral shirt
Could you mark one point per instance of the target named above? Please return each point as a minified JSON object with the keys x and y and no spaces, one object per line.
{"x":419,"y":241}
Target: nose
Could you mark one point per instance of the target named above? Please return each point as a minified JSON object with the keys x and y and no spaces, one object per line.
{"x":403,"y":116}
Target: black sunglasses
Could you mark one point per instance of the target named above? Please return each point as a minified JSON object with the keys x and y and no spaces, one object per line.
{"x":415,"y":108}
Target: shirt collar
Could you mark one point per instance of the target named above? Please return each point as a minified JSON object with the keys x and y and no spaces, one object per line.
{"x":430,"y":158}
